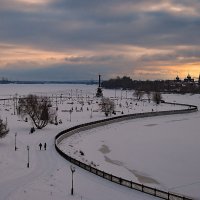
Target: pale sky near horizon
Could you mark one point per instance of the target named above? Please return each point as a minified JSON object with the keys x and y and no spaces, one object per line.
{"x":78,"y":39}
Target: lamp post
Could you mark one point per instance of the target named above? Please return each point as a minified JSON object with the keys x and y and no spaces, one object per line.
{"x":16,"y":100}
{"x":72,"y":170}
{"x":76,"y":93}
{"x":60,"y":98}
{"x":56,"y":103}
{"x":15,"y":141}
{"x":70,"y":115}
{"x":91,"y":113}
{"x":14,"y":104}
{"x":28,"y":156}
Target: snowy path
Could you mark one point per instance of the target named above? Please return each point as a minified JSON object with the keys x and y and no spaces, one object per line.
{"x":46,"y":162}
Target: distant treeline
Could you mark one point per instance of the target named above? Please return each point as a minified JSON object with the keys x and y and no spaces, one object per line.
{"x":49,"y":82}
{"x":127,"y":83}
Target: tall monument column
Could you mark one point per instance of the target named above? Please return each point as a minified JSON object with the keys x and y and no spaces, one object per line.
{"x":99,"y":80}
{"x":99,"y":90}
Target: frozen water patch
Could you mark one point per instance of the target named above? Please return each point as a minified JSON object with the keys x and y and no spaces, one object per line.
{"x":150,"y":124}
{"x":177,"y":120}
{"x":141,"y":177}
{"x":114,"y":162}
{"x":104,"y":149}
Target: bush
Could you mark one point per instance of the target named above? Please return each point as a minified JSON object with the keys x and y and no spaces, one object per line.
{"x":107,"y":106}
{"x":3,"y":129}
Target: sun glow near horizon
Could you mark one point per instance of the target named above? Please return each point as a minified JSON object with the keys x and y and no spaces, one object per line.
{"x":27,"y":57}
{"x":168,"y":72}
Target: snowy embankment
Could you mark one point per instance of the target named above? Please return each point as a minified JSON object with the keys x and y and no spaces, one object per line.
{"x":112,"y":176}
{"x":160,"y":151}
{"x":49,"y":175}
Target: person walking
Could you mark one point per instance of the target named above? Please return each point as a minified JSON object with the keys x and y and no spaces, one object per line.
{"x":40,"y":146}
{"x":45,"y":146}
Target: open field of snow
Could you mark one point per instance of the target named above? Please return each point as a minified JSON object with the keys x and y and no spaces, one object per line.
{"x":49,"y":175}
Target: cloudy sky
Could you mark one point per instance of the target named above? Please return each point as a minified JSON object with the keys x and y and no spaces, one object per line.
{"x":78,"y":39}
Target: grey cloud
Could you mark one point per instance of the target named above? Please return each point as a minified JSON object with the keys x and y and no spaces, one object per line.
{"x":176,"y":56}
{"x":93,"y":25}
{"x":66,"y":72}
{"x":105,"y":58}
{"x":81,"y":26}
{"x":158,"y":57}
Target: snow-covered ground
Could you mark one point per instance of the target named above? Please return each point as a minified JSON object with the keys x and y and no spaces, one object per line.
{"x":146,"y":150}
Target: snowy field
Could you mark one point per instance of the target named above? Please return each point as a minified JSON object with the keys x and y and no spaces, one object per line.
{"x":160,"y":151}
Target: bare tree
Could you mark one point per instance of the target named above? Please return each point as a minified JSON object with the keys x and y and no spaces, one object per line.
{"x":3,"y":129}
{"x":38,"y":109}
{"x":107,"y":106}
{"x":148,"y":93}
{"x":138,"y":94}
{"x":157,"y":97}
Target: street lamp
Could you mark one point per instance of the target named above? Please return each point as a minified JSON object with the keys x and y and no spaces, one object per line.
{"x":15,"y":141}
{"x":91,"y":113}
{"x":14,"y":104}
{"x":72,"y":170}
{"x":70,"y":115}
{"x":28,"y":156}
{"x":56,"y":103}
{"x":16,"y":100}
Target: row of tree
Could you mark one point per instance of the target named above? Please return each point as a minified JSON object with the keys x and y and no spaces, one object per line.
{"x":108,"y":106}
{"x":157,"y":85}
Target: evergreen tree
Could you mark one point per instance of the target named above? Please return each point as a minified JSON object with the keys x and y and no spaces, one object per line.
{"x":3,"y":129}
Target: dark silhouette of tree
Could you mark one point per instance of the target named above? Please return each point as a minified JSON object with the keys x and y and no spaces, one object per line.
{"x":171,"y":86}
{"x":107,"y":106}
{"x":38,"y":109}
{"x":148,"y":93}
{"x":3,"y":129}
{"x":118,"y":83}
{"x":157,"y":97}
{"x":138,"y":94}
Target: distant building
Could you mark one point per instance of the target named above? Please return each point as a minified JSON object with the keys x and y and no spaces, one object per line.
{"x":177,"y":79}
{"x":187,"y":84}
{"x":188,"y":79}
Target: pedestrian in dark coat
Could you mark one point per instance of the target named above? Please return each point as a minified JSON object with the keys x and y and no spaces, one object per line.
{"x":40,"y":146}
{"x":45,"y":146}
